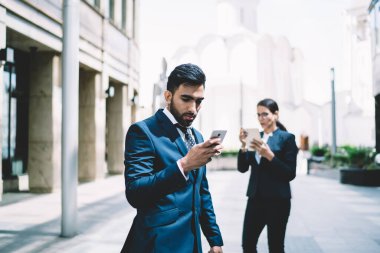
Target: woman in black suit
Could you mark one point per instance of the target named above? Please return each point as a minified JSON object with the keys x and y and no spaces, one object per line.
{"x":273,"y":166}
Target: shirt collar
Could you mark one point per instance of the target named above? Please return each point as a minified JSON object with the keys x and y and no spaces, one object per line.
{"x":171,"y":117}
{"x":271,"y":133}
{"x":268,"y":135}
{"x":174,"y":121}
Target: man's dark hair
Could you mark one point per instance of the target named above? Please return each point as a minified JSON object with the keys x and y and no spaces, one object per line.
{"x":188,"y":74}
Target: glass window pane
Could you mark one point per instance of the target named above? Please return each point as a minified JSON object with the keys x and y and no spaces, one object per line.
{"x":111,"y":9}
{"x":124,"y":14}
{"x":95,"y":3}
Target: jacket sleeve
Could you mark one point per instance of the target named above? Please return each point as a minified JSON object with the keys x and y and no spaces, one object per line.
{"x":207,"y":216}
{"x":285,"y":167}
{"x":244,"y":160}
{"x":145,"y":185}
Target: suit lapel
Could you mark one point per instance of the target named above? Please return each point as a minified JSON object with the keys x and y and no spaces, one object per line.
{"x":272,"y":139}
{"x":181,"y":145}
{"x":270,"y":142}
{"x":171,"y":131}
{"x":197,"y":138}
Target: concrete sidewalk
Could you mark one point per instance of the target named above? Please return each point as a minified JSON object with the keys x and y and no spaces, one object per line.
{"x":326,"y":217}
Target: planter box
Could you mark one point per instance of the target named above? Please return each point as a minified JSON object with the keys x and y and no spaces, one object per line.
{"x":360,"y":177}
{"x":321,"y":170}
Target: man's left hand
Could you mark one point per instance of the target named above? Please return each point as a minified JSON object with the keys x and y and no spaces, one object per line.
{"x":216,"y":249}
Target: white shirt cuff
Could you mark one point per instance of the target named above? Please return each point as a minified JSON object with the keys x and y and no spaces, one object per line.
{"x":181,"y":169}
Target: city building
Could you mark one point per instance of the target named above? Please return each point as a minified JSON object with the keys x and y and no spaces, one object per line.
{"x":243,"y":66}
{"x":31,"y":94}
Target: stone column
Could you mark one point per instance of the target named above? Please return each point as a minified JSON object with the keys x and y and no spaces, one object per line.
{"x":91,"y":127}
{"x":118,"y":121}
{"x":2,"y":45}
{"x":45,"y":116}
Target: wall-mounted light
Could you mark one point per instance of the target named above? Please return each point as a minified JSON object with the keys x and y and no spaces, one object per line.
{"x":135,"y":100}
{"x":7,"y":55}
{"x":110,"y":92}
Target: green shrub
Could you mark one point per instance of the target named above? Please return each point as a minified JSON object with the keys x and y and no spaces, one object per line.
{"x":349,"y":156}
{"x":360,"y":157}
{"x":229,"y":153}
{"x":318,"y":151}
{"x":353,"y":156}
{"x":373,"y":166}
{"x":339,"y":160}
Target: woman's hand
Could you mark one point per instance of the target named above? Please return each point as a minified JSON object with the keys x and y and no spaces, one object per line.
{"x":263,"y":149}
{"x":242,"y":137}
{"x":216,"y":249}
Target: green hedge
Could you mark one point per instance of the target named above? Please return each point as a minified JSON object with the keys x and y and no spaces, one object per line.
{"x":351,"y":156}
{"x":229,"y":153}
{"x":319,"y":151}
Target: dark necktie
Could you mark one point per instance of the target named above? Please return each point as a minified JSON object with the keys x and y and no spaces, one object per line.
{"x":189,"y":141}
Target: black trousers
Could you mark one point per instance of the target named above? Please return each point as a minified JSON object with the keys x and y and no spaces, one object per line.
{"x":273,"y":213}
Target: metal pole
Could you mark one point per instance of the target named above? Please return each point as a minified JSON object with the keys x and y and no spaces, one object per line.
{"x":333,"y":119}
{"x":70,"y":96}
{"x":9,"y":159}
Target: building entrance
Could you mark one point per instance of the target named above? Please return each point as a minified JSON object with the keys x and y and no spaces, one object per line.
{"x":15,"y":117}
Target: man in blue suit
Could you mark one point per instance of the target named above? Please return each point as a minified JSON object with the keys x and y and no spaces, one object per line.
{"x":165,"y":173}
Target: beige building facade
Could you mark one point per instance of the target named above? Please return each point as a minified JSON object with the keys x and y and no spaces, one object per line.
{"x":31,"y":90}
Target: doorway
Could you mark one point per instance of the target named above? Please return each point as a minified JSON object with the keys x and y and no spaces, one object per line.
{"x":15,"y":117}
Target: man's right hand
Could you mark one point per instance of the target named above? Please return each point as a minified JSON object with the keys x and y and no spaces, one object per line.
{"x":201,"y":154}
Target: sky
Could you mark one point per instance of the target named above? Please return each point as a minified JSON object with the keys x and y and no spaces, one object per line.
{"x":166,"y":25}
{"x":313,"y":26}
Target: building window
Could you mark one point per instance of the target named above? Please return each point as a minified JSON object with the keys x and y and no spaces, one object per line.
{"x":124,"y":14}
{"x":130,"y":18}
{"x":111,"y":13}
{"x":375,"y":27}
{"x":134,"y":20}
{"x":95,"y":3}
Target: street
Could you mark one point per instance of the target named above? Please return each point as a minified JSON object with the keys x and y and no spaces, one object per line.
{"x":326,"y":217}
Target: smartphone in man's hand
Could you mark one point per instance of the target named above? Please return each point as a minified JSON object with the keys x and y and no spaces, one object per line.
{"x":218,"y":134}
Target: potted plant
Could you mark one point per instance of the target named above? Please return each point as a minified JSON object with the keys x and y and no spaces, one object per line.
{"x":317,"y":158}
{"x":361,"y":168}
{"x":318,"y":153}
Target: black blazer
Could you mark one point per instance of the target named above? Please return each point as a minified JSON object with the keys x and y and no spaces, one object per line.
{"x":270,"y":179}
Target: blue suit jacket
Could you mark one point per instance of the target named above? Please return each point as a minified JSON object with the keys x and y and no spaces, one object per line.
{"x":270,"y":179}
{"x":169,"y":208}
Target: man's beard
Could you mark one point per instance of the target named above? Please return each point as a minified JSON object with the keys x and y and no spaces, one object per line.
{"x":179,"y":117}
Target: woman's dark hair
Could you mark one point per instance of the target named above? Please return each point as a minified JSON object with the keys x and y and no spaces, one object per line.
{"x":273,"y":108}
{"x":188,"y":74}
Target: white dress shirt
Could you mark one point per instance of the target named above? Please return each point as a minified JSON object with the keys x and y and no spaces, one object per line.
{"x":174,"y":121}
{"x":265,"y":140}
